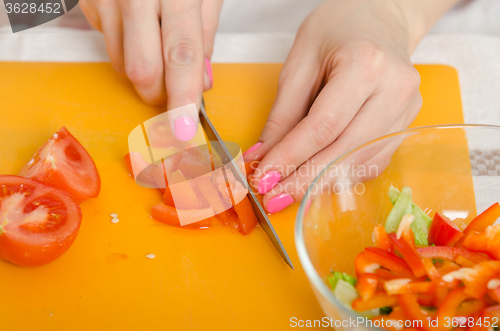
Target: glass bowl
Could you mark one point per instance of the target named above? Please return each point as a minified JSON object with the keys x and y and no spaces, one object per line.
{"x":454,"y":170}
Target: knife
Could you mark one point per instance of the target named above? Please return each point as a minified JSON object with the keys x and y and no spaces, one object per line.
{"x":229,"y":161}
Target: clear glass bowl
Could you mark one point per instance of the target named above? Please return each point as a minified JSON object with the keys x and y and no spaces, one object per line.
{"x":453,"y":170}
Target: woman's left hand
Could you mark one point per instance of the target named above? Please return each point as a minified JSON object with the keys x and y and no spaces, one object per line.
{"x":347,"y":80}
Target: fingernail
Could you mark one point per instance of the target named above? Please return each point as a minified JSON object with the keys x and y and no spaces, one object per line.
{"x":279,"y":202}
{"x":253,"y":148}
{"x":185,"y":128}
{"x":268,"y":181}
{"x":208,"y":66}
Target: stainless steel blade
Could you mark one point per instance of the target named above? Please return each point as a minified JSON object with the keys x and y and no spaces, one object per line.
{"x":228,"y":160}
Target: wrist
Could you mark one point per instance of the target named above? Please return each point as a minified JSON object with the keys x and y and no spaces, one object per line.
{"x":420,"y":16}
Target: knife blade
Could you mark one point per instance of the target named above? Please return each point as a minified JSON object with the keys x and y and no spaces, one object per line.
{"x":229,"y":161}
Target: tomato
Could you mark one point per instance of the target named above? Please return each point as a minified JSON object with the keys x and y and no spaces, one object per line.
{"x":409,"y":254}
{"x":487,"y":241}
{"x":443,"y":232}
{"x":367,"y":285}
{"x":62,"y":162}
{"x":196,"y":218}
{"x":139,"y":168}
{"x":38,"y":223}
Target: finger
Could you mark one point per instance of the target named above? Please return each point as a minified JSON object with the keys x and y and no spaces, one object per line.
{"x":297,"y":87}
{"x":182,"y":36}
{"x":90,"y":13}
{"x":210,"y":10}
{"x":367,"y":124}
{"x":142,"y":49}
{"x":332,"y":111}
{"x":111,"y":26}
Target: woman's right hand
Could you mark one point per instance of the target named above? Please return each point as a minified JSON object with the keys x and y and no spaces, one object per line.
{"x":164,"y":47}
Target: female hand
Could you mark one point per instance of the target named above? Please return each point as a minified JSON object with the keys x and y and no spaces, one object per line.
{"x":164,"y":48}
{"x":348,"y":79}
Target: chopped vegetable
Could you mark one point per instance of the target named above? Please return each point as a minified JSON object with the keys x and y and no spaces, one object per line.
{"x":402,"y":206}
{"x":455,"y":278}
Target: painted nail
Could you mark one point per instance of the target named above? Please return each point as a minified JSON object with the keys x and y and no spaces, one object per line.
{"x":185,"y":128}
{"x":253,"y":148}
{"x":279,"y":202}
{"x":208,"y":66}
{"x":268,"y":181}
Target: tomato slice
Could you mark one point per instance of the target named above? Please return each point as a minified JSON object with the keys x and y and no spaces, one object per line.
{"x":202,"y":218}
{"x":62,"y":162}
{"x":443,"y":231}
{"x":38,"y":223}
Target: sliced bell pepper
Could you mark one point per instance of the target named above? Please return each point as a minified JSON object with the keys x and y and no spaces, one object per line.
{"x":246,"y":216}
{"x":448,"y":308}
{"x":449,"y":253}
{"x":485,"y":219}
{"x":364,"y":265}
{"x":169,"y":215}
{"x":224,"y":211}
{"x":409,"y":254}
{"x":409,"y":304}
{"x":464,"y":262}
{"x":443,"y":231}
{"x":381,"y":239}
{"x":367,"y":285}
{"x":389,"y":261}
{"x":476,"y":282}
{"x":385,"y":274}
{"x":430,"y":269}
{"x":470,"y":308}
{"x":378,"y":300}
{"x":487,"y":241}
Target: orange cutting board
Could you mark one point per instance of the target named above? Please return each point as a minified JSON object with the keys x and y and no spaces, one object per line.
{"x":200,"y":280}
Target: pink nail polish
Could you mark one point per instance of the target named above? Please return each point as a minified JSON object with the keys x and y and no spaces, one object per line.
{"x":208,"y":66}
{"x":268,"y":181}
{"x":185,"y":128}
{"x":279,"y":202}
{"x":253,"y":148}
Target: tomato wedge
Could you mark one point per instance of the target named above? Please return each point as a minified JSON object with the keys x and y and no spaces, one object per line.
{"x":62,"y":162}
{"x":38,"y":223}
{"x":443,"y":231}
